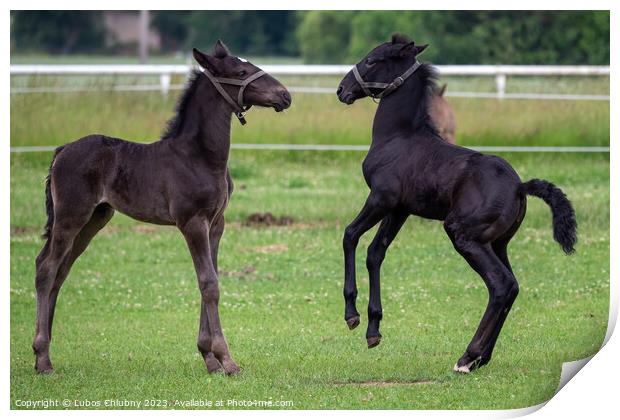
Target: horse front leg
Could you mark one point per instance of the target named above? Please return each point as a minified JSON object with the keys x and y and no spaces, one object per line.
{"x":204,"y":333}
{"x":373,"y":211}
{"x":390,"y":226}
{"x":196,"y":233}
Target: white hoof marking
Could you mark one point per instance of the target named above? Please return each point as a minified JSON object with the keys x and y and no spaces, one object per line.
{"x":464,"y":368}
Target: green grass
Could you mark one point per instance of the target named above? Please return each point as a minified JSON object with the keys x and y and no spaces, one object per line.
{"x":127,"y":318}
{"x":53,"y":119}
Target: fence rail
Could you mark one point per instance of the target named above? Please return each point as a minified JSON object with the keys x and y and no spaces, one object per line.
{"x":165,"y":73}
{"x":364,"y":148}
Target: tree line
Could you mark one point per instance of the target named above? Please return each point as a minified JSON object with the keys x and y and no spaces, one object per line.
{"x":455,"y":37}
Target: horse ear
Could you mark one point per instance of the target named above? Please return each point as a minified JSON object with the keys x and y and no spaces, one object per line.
{"x":205,"y":61}
{"x":220,"y":50}
{"x":412,"y":49}
{"x":400,"y":39}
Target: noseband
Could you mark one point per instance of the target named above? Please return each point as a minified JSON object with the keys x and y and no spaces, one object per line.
{"x":239,"y":107}
{"x":387,"y":87}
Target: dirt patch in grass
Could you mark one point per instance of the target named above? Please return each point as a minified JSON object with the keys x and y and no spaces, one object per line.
{"x":146,"y":228}
{"x":268,"y":219}
{"x":386,"y":383}
{"x":244,"y":272}
{"x":270,"y":249}
{"x":24,"y":231}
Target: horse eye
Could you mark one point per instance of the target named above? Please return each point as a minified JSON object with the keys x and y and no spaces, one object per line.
{"x":242,"y":73}
{"x":370,"y":63}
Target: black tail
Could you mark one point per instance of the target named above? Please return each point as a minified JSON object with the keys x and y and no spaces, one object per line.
{"x":49,"y":201}
{"x":564,"y":223}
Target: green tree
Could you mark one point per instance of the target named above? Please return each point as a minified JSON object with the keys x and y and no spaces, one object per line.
{"x":57,"y":31}
{"x":461,"y":37}
{"x":324,"y":36}
{"x":172,"y":27}
{"x":244,"y":32}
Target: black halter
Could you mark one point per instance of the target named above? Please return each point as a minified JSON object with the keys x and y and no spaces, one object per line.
{"x":239,"y":107}
{"x":387,"y":87}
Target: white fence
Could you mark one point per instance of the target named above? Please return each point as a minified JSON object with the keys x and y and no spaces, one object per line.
{"x":165,"y":73}
{"x":364,"y":148}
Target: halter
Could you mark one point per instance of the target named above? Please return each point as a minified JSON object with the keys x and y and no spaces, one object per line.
{"x":239,"y":107}
{"x":387,"y":87}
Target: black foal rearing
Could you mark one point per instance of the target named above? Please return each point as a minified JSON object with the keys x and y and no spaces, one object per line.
{"x":410,"y":170}
{"x":181,"y":180}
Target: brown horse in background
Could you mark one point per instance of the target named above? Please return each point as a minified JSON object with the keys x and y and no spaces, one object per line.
{"x":442,"y":116}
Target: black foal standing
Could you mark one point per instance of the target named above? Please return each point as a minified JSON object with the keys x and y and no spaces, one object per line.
{"x":181,"y":180}
{"x":410,"y":170}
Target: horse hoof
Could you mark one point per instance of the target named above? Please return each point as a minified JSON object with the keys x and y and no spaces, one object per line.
{"x":462,"y":369}
{"x":373,"y":341}
{"x":467,"y":367}
{"x":44,"y":367}
{"x":45,"y":371}
{"x":231,"y":369}
{"x":213,"y":365}
{"x":353,"y":322}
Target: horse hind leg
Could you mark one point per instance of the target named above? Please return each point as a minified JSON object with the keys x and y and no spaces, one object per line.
{"x":500,"y":249}
{"x":100,"y":217}
{"x":68,"y":222}
{"x":503,"y":290}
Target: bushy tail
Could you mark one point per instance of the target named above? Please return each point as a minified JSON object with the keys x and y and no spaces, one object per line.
{"x":564,"y":223}
{"x":49,"y":201}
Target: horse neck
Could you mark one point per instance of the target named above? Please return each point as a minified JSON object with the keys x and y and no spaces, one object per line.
{"x":206,"y":124}
{"x":402,"y":112}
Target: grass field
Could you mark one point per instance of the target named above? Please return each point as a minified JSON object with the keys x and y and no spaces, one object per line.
{"x":314,"y":118}
{"x":127,"y":318}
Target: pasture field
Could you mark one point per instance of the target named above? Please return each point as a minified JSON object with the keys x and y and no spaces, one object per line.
{"x":52,"y":118}
{"x":127,"y":317}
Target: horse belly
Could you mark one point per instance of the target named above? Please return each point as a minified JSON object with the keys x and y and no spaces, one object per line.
{"x":145,"y":211}
{"x":427,"y":207}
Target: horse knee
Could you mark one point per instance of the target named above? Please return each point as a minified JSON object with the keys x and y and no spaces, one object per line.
{"x":44,"y":279}
{"x":350,"y":239}
{"x":505,"y":290}
{"x":374,"y":257}
{"x":513,"y":290}
{"x":209,"y":289}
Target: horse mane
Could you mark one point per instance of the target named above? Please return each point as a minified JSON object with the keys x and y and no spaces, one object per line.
{"x":173,"y":126}
{"x":428,"y":76}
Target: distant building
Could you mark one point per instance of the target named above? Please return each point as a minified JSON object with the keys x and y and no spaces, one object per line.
{"x":123,"y":30}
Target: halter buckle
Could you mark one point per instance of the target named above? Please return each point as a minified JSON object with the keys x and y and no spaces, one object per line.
{"x":398,"y":81}
{"x":241,"y":117}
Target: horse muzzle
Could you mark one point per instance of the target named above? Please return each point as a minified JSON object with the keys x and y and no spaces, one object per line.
{"x":281,"y":101}
{"x":345,"y":95}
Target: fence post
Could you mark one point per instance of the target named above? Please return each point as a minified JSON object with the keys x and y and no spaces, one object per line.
{"x":164,"y":80}
{"x":500,"y":85}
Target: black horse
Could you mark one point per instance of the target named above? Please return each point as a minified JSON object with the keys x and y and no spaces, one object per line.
{"x":180,"y":180}
{"x":410,"y":170}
